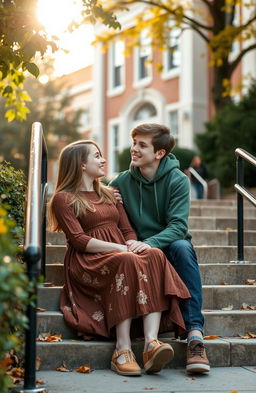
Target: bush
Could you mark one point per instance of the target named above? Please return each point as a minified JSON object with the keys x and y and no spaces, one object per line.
{"x":234,"y":126}
{"x":183,"y":155}
{"x":14,"y":284}
{"x":13,"y":296}
{"x":12,"y":191}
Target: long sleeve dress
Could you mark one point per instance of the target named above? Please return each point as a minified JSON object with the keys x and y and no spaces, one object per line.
{"x":103,"y":289}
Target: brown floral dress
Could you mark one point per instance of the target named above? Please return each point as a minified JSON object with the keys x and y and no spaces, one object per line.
{"x":103,"y":289}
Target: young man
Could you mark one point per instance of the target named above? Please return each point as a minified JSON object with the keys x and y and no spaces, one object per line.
{"x":156,"y":197}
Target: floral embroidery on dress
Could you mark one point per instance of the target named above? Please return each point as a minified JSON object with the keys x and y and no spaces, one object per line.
{"x":67,"y":308}
{"x":97,"y":298}
{"x":98,"y":316}
{"x":120,"y":286}
{"x":95,"y":281}
{"x":86,"y":277}
{"x":143,"y":277}
{"x":104,"y":270}
{"x":141,"y":297}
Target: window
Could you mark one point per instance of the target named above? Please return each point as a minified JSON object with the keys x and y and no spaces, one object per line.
{"x":174,"y":124}
{"x":144,"y":55}
{"x":173,"y":52}
{"x":85,"y":119}
{"x":114,"y":148}
{"x":116,"y":64}
{"x":145,"y":111}
{"x":172,"y":55}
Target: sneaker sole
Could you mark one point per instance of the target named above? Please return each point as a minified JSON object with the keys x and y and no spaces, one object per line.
{"x":198,"y":368}
{"x":162,"y":357}
{"x":127,"y":373}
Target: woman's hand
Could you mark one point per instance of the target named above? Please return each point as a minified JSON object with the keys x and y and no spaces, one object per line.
{"x":137,"y":246}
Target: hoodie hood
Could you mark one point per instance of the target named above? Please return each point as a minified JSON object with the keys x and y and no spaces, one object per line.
{"x":166,"y":165}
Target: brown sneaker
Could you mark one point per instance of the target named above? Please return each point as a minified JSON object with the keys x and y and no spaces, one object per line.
{"x":124,"y":363}
{"x":158,"y":354}
{"x":197,"y":361}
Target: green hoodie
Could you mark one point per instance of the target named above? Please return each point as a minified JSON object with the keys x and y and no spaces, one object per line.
{"x":158,"y":208}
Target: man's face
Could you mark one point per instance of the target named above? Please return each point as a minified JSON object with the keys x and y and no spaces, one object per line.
{"x":142,"y":151}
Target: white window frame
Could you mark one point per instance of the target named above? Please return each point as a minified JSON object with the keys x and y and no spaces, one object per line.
{"x":174,"y":108}
{"x":115,"y":90}
{"x":174,"y":72}
{"x":141,"y":82}
{"x":111,"y":126}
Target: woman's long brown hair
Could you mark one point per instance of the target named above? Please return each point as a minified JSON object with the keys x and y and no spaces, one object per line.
{"x":70,"y":178}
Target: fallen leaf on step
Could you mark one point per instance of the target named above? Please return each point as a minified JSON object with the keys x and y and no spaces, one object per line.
{"x":228,"y":308}
{"x":212,"y":337}
{"x":56,"y":263}
{"x":247,"y":307}
{"x":208,"y":310}
{"x":38,"y":363}
{"x":40,"y":309}
{"x":234,"y":391}
{"x":223,"y":283}
{"x":228,"y":229}
{"x":47,"y":337}
{"x":150,"y":388}
{"x":246,"y":335}
{"x":63,"y":368}
{"x":85,"y":369}
{"x":49,"y":284}
{"x":250,"y":282}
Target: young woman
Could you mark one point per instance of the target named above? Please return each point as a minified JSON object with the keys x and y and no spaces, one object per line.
{"x":108,"y":290}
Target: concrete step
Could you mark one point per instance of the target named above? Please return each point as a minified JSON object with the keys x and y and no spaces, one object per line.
{"x":214,"y":296}
{"x":230,"y":273}
{"x":221,"y":211}
{"x":224,"y":323}
{"x":205,"y":236}
{"x":221,"y":237}
{"x":206,"y":254}
{"x":214,"y":202}
{"x":224,"y":352}
{"x":211,"y":273}
{"x":198,"y":222}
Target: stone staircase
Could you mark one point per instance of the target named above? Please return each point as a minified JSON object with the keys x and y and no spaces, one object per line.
{"x":213,"y":226}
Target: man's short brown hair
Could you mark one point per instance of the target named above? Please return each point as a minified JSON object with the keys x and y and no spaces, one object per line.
{"x":161,"y":136}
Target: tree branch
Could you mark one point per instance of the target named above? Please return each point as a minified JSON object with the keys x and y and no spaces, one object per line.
{"x":170,"y":11}
{"x":237,"y":60}
{"x":253,"y":18}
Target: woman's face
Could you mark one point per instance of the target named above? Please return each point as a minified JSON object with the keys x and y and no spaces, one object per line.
{"x":95,"y":165}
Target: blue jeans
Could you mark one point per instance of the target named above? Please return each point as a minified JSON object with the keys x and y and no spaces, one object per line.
{"x":182,"y":256}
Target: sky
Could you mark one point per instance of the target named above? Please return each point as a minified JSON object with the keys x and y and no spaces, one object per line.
{"x":55,"y":16}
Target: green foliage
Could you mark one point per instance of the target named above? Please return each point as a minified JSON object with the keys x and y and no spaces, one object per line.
{"x":184,"y":156}
{"x":12,"y":192}
{"x":50,"y":111}
{"x":13,"y":296}
{"x":234,"y":126}
{"x":21,"y":37}
{"x":124,"y":159}
{"x":94,"y":11}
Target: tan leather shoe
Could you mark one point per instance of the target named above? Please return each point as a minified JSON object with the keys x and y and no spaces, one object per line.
{"x":158,"y":354}
{"x":124,"y":363}
{"x":197,"y":361}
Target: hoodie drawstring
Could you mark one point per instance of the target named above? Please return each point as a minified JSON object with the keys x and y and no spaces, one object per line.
{"x":156,"y":202}
{"x":140,"y":198}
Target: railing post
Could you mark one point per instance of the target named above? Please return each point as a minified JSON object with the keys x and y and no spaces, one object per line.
{"x":240,"y":210}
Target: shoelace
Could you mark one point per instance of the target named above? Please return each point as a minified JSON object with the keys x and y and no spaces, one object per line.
{"x":197,"y":349}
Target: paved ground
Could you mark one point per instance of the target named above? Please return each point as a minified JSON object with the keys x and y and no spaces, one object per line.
{"x":219,"y":380}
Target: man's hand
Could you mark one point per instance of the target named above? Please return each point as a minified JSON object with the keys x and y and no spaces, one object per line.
{"x":136,"y":246}
{"x":117,"y":195}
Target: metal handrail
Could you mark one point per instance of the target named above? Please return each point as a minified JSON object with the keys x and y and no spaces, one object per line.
{"x":200,"y":179}
{"x":34,"y":246}
{"x":242,"y":192}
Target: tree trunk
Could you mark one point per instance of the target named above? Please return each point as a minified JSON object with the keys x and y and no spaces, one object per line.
{"x":219,"y":74}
